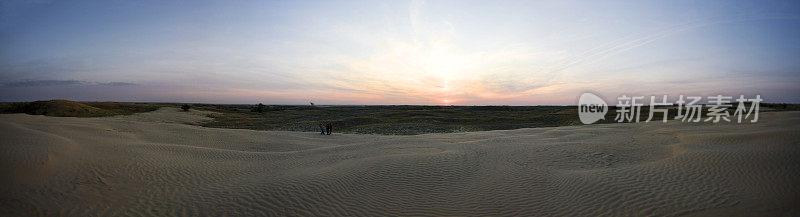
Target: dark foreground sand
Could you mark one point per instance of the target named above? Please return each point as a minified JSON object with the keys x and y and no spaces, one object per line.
{"x":156,"y":164}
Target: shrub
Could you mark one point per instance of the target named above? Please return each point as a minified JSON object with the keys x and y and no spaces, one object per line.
{"x":185,"y":107}
{"x":259,"y":108}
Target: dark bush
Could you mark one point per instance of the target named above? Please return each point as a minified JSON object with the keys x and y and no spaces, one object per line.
{"x":185,"y":107}
{"x":258,"y":108}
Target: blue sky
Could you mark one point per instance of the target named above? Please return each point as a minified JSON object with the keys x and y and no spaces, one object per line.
{"x":396,"y":52}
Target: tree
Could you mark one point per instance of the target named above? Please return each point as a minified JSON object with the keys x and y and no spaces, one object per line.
{"x":185,"y":107}
{"x":259,"y":108}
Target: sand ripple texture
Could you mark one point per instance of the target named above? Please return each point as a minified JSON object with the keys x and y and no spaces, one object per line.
{"x":162,"y":164}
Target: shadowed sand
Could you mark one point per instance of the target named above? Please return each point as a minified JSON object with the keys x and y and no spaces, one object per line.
{"x":158,"y":163}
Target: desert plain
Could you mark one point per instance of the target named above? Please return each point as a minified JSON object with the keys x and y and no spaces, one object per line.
{"x":162,"y":163}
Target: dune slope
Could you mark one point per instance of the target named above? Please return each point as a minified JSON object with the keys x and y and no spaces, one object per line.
{"x":161,"y":163}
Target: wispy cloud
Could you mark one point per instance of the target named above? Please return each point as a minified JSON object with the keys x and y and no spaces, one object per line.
{"x":37,"y":83}
{"x":395,"y":52}
{"x":41,"y":83}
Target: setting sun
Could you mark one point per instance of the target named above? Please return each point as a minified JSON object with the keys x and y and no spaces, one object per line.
{"x":447,"y":101}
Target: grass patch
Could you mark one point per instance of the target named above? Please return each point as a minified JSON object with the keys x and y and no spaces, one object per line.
{"x":411,"y":120}
{"x":65,"y":108}
{"x":397,"y":120}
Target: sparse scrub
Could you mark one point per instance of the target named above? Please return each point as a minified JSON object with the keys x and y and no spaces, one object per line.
{"x":259,"y":108}
{"x":65,"y":108}
{"x":393,"y":120}
{"x":408,"y":120}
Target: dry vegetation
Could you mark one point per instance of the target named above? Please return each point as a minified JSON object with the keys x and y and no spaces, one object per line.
{"x":402,"y":120}
{"x":396,"y":120}
{"x":65,"y":108}
{"x":409,"y":120}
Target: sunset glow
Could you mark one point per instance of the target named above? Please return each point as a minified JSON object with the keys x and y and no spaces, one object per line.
{"x":398,"y":52}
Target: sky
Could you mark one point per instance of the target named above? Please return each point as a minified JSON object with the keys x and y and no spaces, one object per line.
{"x":396,"y":52}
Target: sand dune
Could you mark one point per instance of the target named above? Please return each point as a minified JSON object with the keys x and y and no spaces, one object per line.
{"x":160,"y":163}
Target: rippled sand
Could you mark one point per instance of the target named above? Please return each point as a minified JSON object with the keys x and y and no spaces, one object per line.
{"x":158,"y":163}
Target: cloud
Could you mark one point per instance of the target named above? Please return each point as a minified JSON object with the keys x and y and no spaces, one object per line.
{"x":38,"y":83}
{"x":413,"y":52}
{"x":630,"y":42}
{"x":44,"y":83}
{"x":434,"y":64}
{"x":116,"y":84}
